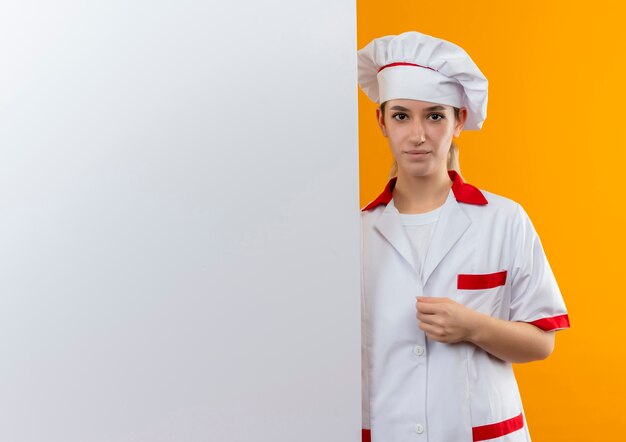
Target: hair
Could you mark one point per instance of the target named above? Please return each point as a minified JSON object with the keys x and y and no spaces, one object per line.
{"x":453,"y":153}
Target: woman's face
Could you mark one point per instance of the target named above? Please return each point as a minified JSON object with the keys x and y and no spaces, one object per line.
{"x":420,"y":134}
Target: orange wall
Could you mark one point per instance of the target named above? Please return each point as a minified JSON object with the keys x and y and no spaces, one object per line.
{"x":553,"y":141}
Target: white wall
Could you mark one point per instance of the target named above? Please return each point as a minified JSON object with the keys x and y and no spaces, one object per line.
{"x":179,"y":214}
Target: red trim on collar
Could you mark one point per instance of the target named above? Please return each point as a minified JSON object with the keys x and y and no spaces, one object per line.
{"x":463,"y":192}
{"x":466,"y":193}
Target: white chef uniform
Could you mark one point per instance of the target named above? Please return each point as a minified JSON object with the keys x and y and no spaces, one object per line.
{"x":484,"y":253}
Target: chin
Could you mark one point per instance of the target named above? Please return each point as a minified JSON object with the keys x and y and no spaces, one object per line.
{"x":419,"y":169}
{"x":422,"y":170}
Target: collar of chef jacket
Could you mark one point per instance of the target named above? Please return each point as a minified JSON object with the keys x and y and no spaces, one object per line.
{"x":463,"y":192}
{"x":454,"y":222}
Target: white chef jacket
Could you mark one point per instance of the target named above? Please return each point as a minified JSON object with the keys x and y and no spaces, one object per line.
{"x":485,"y":254}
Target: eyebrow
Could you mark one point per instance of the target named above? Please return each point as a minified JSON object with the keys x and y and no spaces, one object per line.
{"x":432,"y":108}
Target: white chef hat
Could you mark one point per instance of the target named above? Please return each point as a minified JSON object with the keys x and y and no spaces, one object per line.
{"x":417,"y":66}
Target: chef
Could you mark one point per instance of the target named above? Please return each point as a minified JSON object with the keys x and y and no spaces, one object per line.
{"x":456,"y":285}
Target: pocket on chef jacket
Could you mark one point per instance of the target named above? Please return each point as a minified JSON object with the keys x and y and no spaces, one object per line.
{"x":508,"y":430}
{"x":482,"y":292}
{"x":481,"y":281}
{"x":495,"y":404}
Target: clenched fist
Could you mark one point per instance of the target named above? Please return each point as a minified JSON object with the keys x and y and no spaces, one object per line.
{"x":445,"y":320}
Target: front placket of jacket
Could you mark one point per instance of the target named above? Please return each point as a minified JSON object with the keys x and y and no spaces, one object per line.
{"x":390,"y":226}
{"x":452,"y":224}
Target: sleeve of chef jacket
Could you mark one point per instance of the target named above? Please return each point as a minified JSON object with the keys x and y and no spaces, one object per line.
{"x":535,"y":294}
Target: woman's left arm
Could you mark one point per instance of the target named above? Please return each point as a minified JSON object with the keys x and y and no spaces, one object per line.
{"x":447,"y":321}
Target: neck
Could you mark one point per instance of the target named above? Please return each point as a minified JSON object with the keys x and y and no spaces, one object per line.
{"x":419,"y":194}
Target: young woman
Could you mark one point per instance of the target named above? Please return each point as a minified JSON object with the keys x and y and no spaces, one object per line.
{"x":456,"y":285}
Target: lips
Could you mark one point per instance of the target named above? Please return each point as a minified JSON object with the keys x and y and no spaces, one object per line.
{"x":416,"y":152}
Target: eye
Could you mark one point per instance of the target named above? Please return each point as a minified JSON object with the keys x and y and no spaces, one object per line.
{"x":440,"y":117}
{"x":399,"y":113}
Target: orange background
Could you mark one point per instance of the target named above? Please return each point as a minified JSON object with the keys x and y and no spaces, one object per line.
{"x":552,"y":141}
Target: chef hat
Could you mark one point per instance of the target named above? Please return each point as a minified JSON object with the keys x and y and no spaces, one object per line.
{"x":417,"y":66}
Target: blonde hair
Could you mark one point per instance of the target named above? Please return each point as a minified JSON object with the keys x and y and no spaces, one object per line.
{"x":453,"y":153}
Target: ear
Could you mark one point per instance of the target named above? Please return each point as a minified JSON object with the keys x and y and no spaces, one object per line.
{"x":381,"y":122}
{"x":460,"y":122}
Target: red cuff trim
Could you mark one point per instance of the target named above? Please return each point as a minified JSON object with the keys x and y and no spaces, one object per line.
{"x":553,"y":323}
{"x":366,"y":435}
{"x":491,"y":431}
{"x":481,"y":281}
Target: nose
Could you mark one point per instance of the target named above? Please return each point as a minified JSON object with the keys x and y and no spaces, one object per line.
{"x":418,"y":132}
